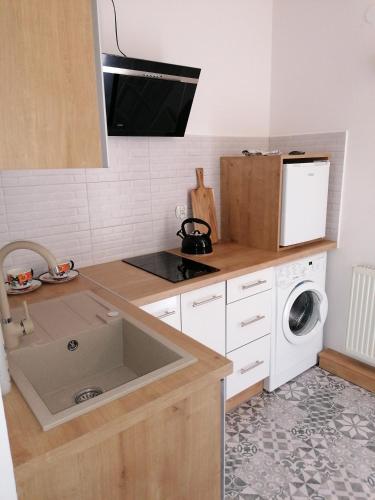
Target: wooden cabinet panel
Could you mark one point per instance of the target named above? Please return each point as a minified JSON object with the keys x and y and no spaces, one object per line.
{"x":251,"y":364}
{"x":248,"y":320}
{"x":167,"y":310}
{"x":203,"y":316}
{"x":173,"y":455}
{"x":48,"y":89}
{"x":250,"y":200}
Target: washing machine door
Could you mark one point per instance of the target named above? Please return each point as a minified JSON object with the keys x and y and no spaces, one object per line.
{"x":305,"y":312}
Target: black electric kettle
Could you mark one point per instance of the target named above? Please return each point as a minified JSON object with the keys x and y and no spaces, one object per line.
{"x":196,"y":242}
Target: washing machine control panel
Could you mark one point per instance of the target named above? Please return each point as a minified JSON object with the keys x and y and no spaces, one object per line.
{"x":287,"y":274}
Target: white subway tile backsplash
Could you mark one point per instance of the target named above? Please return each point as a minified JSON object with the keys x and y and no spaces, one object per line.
{"x":164,"y":233}
{"x":119,"y":203}
{"x":167,"y":194}
{"x":163,"y":167}
{"x":3,"y":217}
{"x":117,"y":242}
{"x":122,"y":148}
{"x":98,"y":215}
{"x":46,"y":209}
{"x":131,"y":169}
{"x":167,"y":147}
{"x":4,"y":233}
{"x":14,"y":178}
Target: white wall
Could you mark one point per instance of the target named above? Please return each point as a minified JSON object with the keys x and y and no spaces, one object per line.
{"x":230,"y":41}
{"x":323,"y":79}
{"x":7,"y":483}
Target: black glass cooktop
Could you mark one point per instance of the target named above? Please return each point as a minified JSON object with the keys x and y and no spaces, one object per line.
{"x":170,"y":267}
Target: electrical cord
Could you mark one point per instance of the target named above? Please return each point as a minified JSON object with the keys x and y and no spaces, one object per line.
{"x":118,"y":46}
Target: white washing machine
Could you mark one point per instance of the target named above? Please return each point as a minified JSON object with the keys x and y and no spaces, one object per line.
{"x":301,"y":310}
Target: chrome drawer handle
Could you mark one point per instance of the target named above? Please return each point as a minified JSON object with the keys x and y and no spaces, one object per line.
{"x":206,"y":301}
{"x":253,"y":283}
{"x":246,"y":369}
{"x":250,"y":321}
{"x":166,"y":314}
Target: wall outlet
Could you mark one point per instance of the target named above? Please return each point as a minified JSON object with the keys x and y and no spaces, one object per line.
{"x":181,"y":212}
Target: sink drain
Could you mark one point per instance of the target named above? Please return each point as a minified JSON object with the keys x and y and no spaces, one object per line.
{"x":86,"y":394}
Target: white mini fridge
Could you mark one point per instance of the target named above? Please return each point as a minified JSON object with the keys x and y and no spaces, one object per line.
{"x":304,"y":202}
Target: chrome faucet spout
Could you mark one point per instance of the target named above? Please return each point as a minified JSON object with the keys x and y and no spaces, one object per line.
{"x":14,"y":331}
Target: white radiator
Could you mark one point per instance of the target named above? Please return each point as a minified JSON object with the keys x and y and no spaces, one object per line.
{"x":360,"y":338}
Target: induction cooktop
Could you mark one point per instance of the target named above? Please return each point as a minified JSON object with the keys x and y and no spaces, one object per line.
{"x":170,"y":267}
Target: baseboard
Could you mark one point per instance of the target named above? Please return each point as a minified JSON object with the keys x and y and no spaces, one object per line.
{"x":244,"y":396}
{"x":348,"y":368}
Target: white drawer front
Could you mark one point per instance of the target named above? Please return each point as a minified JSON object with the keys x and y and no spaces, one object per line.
{"x":203,"y":316}
{"x":249,"y":284}
{"x":251,"y":364}
{"x":167,"y":310}
{"x":248,"y":320}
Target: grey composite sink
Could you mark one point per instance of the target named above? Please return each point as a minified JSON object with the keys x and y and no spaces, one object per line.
{"x":62,"y":378}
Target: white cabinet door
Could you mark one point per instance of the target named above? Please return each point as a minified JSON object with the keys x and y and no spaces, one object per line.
{"x":167,"y":310}
{"x":203,"y":316}
{"x":248,"y":320}
{"x":251,"y":364}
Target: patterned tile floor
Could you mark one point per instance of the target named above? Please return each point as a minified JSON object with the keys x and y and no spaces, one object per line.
{"x":314,"y":438}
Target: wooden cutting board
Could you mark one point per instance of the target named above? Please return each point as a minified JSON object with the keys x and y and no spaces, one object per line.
{"x":203,"y":203}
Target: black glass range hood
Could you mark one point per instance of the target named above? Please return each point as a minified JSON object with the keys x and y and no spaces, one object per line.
{"x":147,"y":98}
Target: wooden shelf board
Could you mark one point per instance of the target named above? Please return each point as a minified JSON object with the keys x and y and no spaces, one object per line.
{"x":306,"y":156}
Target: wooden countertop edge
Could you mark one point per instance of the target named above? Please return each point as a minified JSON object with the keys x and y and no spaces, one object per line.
{"x":278,"y":258}
{"x":42,"y":448}
{"x":108,"y":427}
{"x":117,"y":425}
{"x":97,"y":425}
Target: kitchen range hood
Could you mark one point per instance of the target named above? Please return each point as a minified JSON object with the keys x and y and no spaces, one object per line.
{"x":147,"y":98}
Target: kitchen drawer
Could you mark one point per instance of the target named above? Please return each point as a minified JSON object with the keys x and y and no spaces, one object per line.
{"x":249,"y":284}
{"x":251,"y":364}
{"x":167,"y":310}
{"x":249,"y":319}
{"x":203,"y":316}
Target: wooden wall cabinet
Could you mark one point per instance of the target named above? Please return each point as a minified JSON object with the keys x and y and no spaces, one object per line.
{"x":52,"y":112}
{"x":251,"y":189}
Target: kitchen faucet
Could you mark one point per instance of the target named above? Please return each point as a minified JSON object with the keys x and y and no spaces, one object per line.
{"x":13,"y":331}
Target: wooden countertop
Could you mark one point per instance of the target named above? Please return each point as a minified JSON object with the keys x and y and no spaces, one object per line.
{"x":140,"y":287}
{"x":33,"y":448}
